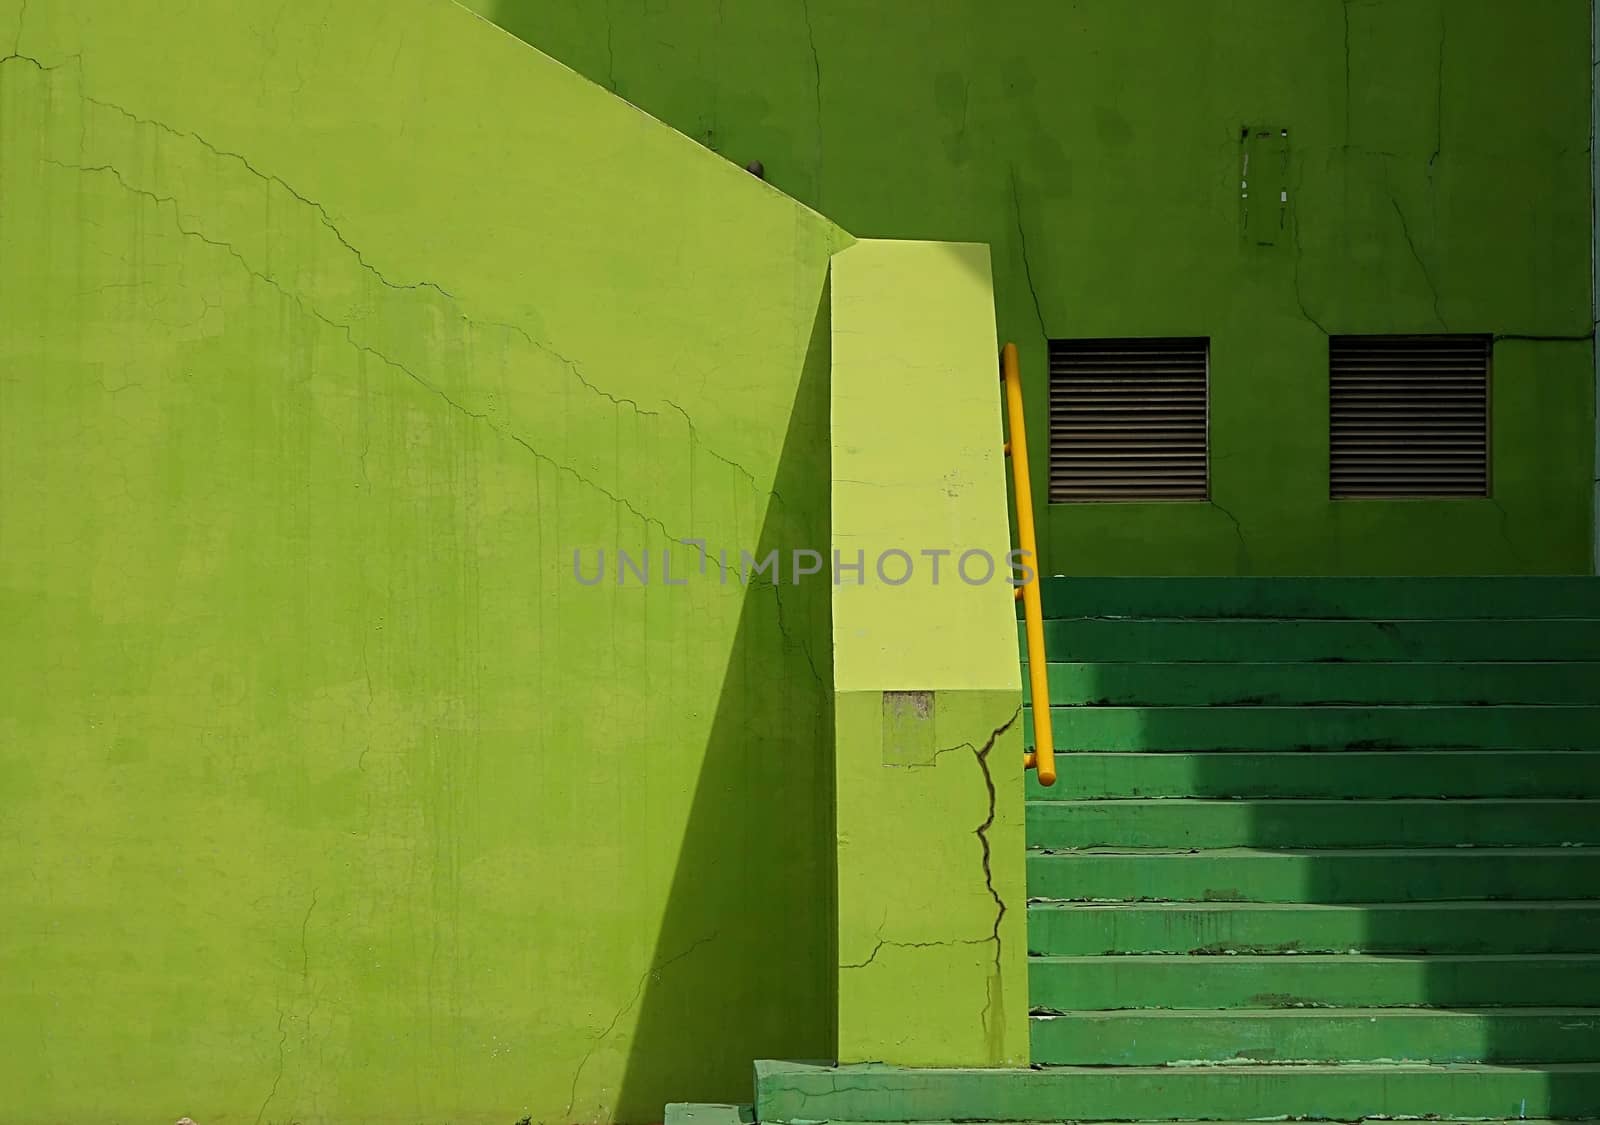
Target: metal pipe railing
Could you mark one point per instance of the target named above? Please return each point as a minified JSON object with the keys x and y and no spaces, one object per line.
{"x":1043,"y":756}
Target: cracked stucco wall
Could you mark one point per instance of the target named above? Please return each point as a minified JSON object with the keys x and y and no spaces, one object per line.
{"x":932,"y":939}
{"x":326,"y":792}
{"x":1439,"y":179}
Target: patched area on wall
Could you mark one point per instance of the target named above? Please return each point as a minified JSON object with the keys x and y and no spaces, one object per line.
{"x":1264,"y":185}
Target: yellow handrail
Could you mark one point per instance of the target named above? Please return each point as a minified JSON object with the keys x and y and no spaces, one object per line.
{"x":1043,"y":757}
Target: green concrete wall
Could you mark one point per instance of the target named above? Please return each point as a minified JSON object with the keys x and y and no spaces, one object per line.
{"x":327,"y":793}
{"x":1438,"y":179}
{"x":932,"y":920}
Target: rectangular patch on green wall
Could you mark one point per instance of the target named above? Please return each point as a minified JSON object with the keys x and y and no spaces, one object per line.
{"x":1264,"y":184}
{"x":908,"y":738}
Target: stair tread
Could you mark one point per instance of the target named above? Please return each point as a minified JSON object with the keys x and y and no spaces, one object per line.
{"x":1186,"y":1121}
{"x":1238,"y":1092}
{"x":1221,"y":961}
{"x":1518,"y":905}
{"x":869,"y":1070}
{"x":1205,"y":640}
{"x":1322,"y":597}
{"x":1308,"y":802}
{"x":1320,"y":665}
{"x":1201,"y":854}
{"x":1590,"y":1015}
{"x":1346,"y":1068}
{"x":1325,"y":727}
{"x":1302,"y":708}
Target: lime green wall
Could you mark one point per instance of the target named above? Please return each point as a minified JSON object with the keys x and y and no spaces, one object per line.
{"x":1438,"y":179}
{"x":326,"y":793}
{"x":932,"y":900}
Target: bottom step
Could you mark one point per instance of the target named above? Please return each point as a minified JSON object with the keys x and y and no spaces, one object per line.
{"x":706,"y":1113}
{"x":799,"y":1092}
{"x":1485,"y":1121}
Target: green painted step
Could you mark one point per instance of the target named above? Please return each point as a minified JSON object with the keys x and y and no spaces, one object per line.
{"x":1095,"y":640}
{"x":1322,"y":728}
{"x":1344,"y":1035}
{"x":1177,"y":684}
{"x":694,"y":1113}
{"x":1365,"y":875}
{"x":797,"y":1092}
{"x":1347,"y":980}
{"x":1410,"y":823}
{"x":1476,"y":1121}
{"x":1069,"y":928}
{"x":1359,"y":598}
{"x":1383,"y":773}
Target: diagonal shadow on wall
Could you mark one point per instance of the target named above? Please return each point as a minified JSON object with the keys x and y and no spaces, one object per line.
{"x":744,"y":962}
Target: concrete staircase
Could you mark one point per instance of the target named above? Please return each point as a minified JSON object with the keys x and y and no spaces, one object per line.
{"x":1323,"y":848}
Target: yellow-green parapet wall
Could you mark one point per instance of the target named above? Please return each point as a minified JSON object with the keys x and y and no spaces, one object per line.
{"x":328,"y":791}
{"x":932,"y":934}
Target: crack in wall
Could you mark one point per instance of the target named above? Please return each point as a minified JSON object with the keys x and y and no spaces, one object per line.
{"x":322,"y":212}
{"x":16,"y":44}
{"x":1586,"y":338}
{"x":981,"y":756}
{"x":982,"y":833}
{"x":816,"y":86}
{"x":283,"y":1040}
{"x":327,"y":220}
{"x":716,"y":81}
{"x":611,"y":50}
{"x":304,"y":946}
{"x":1027,"y":266}
{"x":882,"y":944}
{"x":349,"y":335}
{"x":1346,"y":9}
{"x":1238,"y":529}
{"x":652,"y":973}
{"x":802,"y":645}
{"x":1299,"y":253}
{"x":1427,"y":276}
{"x":1438,"y":107}
{"x":1505,"y":530}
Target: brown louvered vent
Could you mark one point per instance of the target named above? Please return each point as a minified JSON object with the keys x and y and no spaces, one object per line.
{"x":1408,"y":416}
{"x":1128,"y":419}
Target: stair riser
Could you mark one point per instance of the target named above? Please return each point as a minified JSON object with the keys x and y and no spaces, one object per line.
{"x":1127,"y":729}
{"x":1156,"y":1039}
{"x":1110,"y":983}
{"x":1378,"y":774}
{"x":1358,"y":598}
{"x":1094,"y":640}
{"x":1450,"y":928}
{"x":1201,"y":685}
{"x":1330,"y":877}
{"x":1311,"y":824}
{"x":1410,"y":768}
{"x":1211,"y":1093}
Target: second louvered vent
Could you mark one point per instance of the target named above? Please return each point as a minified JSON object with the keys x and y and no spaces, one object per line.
{"x":1408,"y":416}
{"x":1128,"y":419}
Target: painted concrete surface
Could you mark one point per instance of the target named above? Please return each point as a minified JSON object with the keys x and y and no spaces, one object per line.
{"x":1594,"y":236}
{"x":797,"y":1093}
{"x":932,"y":944}
{"x":1456,"y":958}
{"x":1438,"y":179}
{"x":327,"y":791}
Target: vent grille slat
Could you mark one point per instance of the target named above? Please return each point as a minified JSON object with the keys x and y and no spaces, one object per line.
{"x":1128,"y":420}
{"x":1408,"y":416}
